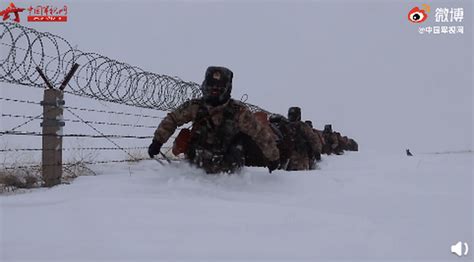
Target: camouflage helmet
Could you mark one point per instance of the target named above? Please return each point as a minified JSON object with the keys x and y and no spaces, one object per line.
{"x":328,"y":128}
{"x":217,"y":85}
{"x":294,"y":114}
{"x":309,"y":123}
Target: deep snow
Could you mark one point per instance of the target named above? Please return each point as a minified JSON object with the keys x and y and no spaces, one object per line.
{"x":357,"y":206}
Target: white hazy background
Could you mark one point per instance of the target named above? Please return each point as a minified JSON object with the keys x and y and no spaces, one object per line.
{"x":359,"y":65}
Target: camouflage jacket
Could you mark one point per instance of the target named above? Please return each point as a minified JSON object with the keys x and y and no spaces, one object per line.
{"x":319,"y":133}
{"x":311,"y":138}
{"x":331,"y":139}
{"x":244,"y":121}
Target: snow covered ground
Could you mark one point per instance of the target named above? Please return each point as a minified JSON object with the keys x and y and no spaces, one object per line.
{"x":359,"y":206}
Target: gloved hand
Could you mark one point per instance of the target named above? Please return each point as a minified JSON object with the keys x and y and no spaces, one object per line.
{"x":317,"y":156}
{"x":154,"y":148}
{"x":272,"y":165}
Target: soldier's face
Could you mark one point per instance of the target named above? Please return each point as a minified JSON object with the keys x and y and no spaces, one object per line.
{"x":292,"y":116}
{"x":216,"y":90}
{"x":216,"y":86}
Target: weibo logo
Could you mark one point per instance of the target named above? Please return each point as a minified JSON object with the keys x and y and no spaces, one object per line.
{"x":417,"y":15}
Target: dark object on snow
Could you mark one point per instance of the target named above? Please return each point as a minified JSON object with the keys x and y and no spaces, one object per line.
{"x":273,"y":165}
{"x":409,"y":153}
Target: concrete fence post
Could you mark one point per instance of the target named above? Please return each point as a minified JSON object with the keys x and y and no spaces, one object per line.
{"x":53,"y":123}
{"x":52,"y":136}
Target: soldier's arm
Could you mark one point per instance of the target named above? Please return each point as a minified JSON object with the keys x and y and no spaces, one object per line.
{"x":182,"y":115}
{"x":321,"y":138}
{"x":335,"y":142}
{"x":312,"y":138}
{"x":344,"y":141}
{"x":261,"y":135}
{"x":354,"y":145}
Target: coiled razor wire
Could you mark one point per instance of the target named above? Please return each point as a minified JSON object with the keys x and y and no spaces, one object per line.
{"x":98,"y":77}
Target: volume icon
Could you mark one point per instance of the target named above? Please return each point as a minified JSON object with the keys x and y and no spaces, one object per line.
{"x":458,"y":248}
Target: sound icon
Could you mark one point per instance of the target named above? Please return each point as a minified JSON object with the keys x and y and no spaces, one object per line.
{"x":457,"y":248}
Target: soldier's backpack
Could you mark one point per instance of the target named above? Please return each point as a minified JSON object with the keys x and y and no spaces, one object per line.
{"x":280,"y":127}
{"x":181,"y":143}
{"x":253,"y":154}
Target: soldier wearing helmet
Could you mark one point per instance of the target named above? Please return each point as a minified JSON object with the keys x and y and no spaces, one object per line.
{"x":218,"y":123}
{"x":305,"y":143}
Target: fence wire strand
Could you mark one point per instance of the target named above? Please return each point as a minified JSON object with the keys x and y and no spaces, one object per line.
{"x":84,"y":109}
{"x":39,"y":117}
{"x":29,"y":133}
{"x":73,"y":149}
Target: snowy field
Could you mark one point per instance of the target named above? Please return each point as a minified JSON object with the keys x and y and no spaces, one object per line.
{"x":356,"y":207}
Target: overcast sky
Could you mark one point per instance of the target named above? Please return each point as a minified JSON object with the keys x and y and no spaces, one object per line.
{"x":360,"y":65}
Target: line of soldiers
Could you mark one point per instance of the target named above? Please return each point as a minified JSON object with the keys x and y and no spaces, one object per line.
{"x":225,"y":135}
{"x":300,"y":145}
{"x":333,"y":142}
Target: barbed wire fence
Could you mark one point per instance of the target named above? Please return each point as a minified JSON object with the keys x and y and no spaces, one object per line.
{"x":41,"y":59}
{"x":30,"y":123}
{"x":98,"y":77}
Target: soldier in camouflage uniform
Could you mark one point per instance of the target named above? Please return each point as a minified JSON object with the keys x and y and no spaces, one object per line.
{"x":345,"y":142}
{"x":332,"y":141}
{"x":321,"y":138}
{"x":305,"y":144}
{"x":253,"y":153}
{"x":342,"y":144}
{"x":281,"y":127}
{"x":219,"y":123}
{"x":352,"y":145}
{"x":319,"y":135}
